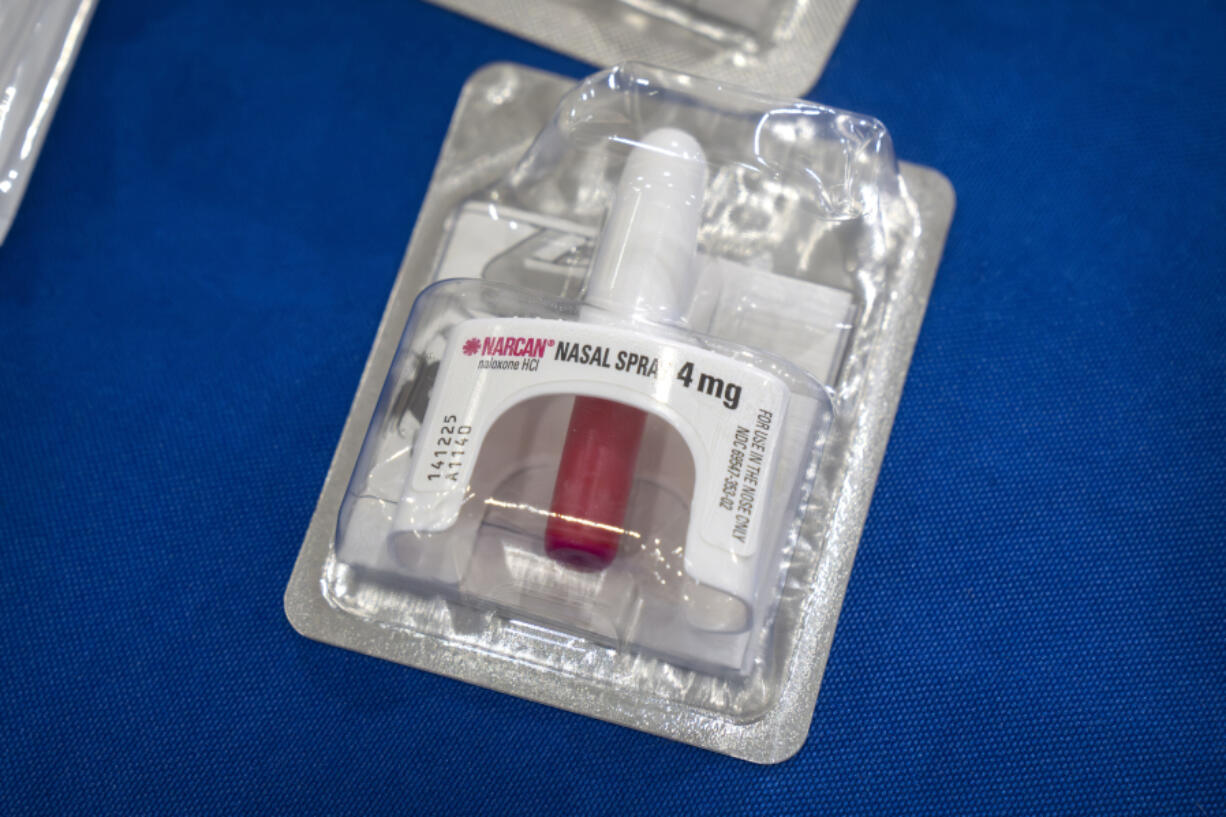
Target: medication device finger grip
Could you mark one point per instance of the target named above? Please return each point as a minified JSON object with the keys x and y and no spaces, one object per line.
{"x":553,"y":447}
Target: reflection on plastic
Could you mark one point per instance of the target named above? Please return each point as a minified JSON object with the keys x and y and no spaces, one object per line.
{"x":38,"y":43}
{"x":772,"y":46}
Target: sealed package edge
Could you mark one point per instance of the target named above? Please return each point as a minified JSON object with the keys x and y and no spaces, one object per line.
{"x":39,"y":40}
{"x":608,"y":465}
{"x":776,"y":46}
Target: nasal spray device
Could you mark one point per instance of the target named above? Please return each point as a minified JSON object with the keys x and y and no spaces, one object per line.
{"x":598,"y":466}
{"x":644,"y":265}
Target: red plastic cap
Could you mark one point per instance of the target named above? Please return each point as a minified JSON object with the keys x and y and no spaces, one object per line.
{"x":593,"y":484}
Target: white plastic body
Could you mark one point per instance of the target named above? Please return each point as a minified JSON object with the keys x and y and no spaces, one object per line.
{"x":724,"y":545}
{"x":644,"y":264}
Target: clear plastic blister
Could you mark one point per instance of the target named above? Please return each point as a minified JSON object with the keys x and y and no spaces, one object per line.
{"x":778,"y":46}
{"x":38,"y":44}
{"x":620,"y":440}
{"x":751,"y":23}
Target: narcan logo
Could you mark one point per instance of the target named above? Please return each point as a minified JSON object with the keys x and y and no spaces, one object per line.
{"x":507,"y":346}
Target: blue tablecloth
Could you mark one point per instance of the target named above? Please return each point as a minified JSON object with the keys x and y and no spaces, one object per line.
{"x":1037,"y":619}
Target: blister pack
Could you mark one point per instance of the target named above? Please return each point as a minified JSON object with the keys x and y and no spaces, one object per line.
{"x":775,"y":46}
{"x":615,"y":442}
{"x":39,"y":40}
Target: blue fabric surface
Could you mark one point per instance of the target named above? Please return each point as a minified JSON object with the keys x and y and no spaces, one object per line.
{"x":1037,"y":619}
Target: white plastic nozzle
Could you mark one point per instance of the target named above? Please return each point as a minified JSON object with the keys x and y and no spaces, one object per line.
{"x":645,"y":258}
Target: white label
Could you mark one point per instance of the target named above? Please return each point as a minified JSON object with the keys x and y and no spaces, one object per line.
{"x":729,"y":413}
